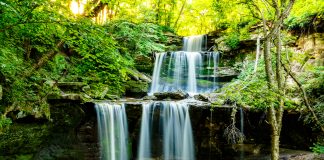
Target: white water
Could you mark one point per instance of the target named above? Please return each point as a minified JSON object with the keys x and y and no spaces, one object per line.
{"x":144,"y":151}
{"x":195,"y":43}
{"x":189,"y":70}
{"x":183,"y":70}
{"x":257,"y":54}
{"x":113,"y":131}
{"x":176,"y":131}
{"x":177,"y":135}
{"x":242,"y":120}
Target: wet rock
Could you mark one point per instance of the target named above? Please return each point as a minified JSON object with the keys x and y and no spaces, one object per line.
{"x":111,"y":97}
{"x":64,"y":96}
{"x":149,"y":98}
{"x":136,"y":89}
{"x":144,"y":64}
{"x":70,"y":86}
{"x":137,"y":76}
{"x":201,"y":97}
{"x":171,"y":95}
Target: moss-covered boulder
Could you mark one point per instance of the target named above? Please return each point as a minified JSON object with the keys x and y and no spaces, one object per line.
{"x":23,"y":139}
{"x":177,"y":95}
{"x":137,"y":89}
{"x":144,"y":64}
{"x":60,"y":137}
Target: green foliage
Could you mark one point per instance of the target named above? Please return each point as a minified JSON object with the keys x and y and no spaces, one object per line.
{"x":44,"y":43}
{"x":24,"y":157}
{"x":317,"y":148}
{"x":250,"y":90}
{"x":137,"y":39}
{"x":314,"y":86}
{"x":232,"y":40}
{"x":4,"y":123}
{"x":305,"y":14}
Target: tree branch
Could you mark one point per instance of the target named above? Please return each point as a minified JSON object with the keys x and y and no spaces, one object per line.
{"x":292,"y":75}
{"x":43,"y":60}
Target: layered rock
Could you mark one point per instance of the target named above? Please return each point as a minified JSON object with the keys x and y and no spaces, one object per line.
{"x":177,"y":95}
{"x":138,"y":84}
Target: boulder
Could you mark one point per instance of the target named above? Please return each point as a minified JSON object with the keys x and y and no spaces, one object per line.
{"x":144,"y":64}
{"x":64,"y":96}
{"x":201,"y":97}
{"x":149,"y":98}
{"x":177,"y":95}
{"x":70,"y":87}
{"x":136,"y":89}
{"x":137,"y":76}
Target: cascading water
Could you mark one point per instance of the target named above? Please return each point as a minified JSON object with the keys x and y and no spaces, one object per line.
{"x":242,"y":120}
{"x":113,"y":131}
{"x":175,"y":129}
{"x":195,"y":43}
{"x":191,"y":70}
{"x":144,"y":151}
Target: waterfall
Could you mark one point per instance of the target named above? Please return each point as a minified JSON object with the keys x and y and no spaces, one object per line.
{"x":257,"y":54}
{"x":144,"y":151}
{"x":242,"y":120}
{"x":113,"y":131}
{"x":176,"y":131}
{"x":166,"y":130}
{"x":242,"y":131}
{"x":192,"y":70}
{"x":195,"y":43}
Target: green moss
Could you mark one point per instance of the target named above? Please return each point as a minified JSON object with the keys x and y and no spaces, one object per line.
{"x":137,"y":86}
{"x":204,"y":83}
{"x":23,"y":138}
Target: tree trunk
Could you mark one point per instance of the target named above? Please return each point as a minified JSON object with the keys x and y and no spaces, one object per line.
{"x":267,"y":61}
{"x":282,"y":9}
{"x":180,"y":13}
{"x":275,"y":145}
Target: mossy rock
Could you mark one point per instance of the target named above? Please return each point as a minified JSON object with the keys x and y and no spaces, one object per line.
{"x":23,"y":138}
{"x":70,"y":87}
{"x":144,"y":64}
{"x":136,"y":89}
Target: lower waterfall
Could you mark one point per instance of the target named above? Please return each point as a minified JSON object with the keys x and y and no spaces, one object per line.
{"x":113,"y":131}
{"x":175,"y":130}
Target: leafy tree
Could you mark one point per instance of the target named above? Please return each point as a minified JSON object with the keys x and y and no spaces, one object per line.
{"x":44,"y":43}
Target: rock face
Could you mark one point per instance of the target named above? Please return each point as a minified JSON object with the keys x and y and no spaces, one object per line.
{"x":313,"y":45}
{"x":171,"y":95}
{"x":138,"y":85}
{"x":136,"y":89}
{"x":73,"y":134}
{"x":201,"y":97}
{"x":70,"y":134}
{"x":149,"y":98}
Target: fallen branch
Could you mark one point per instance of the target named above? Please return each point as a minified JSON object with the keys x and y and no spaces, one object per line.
{"x":292,"y":75}
{"x":43,"y":60}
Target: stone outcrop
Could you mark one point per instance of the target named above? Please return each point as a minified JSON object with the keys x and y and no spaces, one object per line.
{"x":136,"y":89}
{"x":313,"y":45}
{"x":138,"y":84}
{"x":177,"y":95}
{"x":201,"y":97}
{"x":149,"y":98}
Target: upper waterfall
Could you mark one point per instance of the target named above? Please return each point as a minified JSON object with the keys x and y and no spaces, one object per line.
{"x":195,"y":43}
{"x":191,"y":70}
